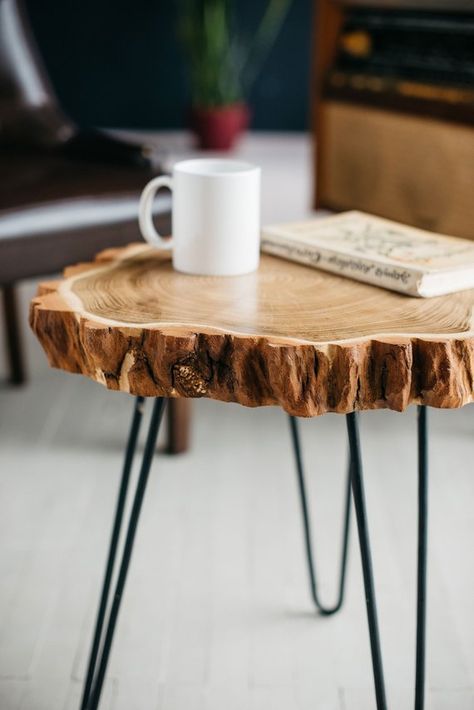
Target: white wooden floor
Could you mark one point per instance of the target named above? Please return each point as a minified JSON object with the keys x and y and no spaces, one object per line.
{"x":217,"y":612}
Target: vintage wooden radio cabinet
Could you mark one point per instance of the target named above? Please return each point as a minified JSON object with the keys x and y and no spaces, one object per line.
{"x":393,"y":110}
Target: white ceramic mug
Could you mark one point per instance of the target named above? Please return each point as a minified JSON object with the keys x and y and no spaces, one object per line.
{"x":215,"y":216}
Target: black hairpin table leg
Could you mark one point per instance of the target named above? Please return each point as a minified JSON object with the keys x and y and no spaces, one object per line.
{"x":366,"y":556}
{"x":422,"y":557}
{"x":324,"y":610}
{"x":355,"y":481}
{"x":359,"y":502}
{"x":122,"y":495}
{"x":102,"y":643}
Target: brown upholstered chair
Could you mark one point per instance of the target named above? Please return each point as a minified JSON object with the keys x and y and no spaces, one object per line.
{"x":64,"y":193}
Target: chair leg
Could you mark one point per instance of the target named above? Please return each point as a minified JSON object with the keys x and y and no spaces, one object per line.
{"x":324,"y":610}
{"x":179,"y":425}
{"x":17,"y":375}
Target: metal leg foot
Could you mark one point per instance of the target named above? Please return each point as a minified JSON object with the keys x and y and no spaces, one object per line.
{"x":362,"y":526}
{"x":324,"y":610}
{"x":98,"y":660}
{"x":422,"y":557}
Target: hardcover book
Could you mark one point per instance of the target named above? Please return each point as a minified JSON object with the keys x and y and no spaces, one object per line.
{"x":377,"y":251}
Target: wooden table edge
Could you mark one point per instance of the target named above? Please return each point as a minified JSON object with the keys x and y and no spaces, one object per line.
{"x":305,"y":378}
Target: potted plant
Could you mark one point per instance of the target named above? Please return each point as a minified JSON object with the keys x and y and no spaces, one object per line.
{"x":224,"y":65}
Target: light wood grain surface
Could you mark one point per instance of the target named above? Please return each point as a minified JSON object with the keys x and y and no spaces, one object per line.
{"x":289,"y":335}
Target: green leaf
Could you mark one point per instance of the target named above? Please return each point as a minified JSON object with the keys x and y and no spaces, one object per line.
{"x":220,"y":62}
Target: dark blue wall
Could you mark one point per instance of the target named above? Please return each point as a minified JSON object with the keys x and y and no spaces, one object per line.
{"x":117,"y":62}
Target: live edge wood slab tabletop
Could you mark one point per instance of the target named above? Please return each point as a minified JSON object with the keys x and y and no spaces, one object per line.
{"x":286,"y":335}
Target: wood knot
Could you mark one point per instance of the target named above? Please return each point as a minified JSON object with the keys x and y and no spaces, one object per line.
{"x":189,"y":380}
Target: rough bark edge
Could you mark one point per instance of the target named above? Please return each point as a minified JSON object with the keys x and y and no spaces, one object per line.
{"x":304,"y":379}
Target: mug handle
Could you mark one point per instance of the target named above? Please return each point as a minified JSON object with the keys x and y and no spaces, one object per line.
{"x":145,"y":218}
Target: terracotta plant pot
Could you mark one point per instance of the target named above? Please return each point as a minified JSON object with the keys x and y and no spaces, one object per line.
{"x":218,"y":128}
